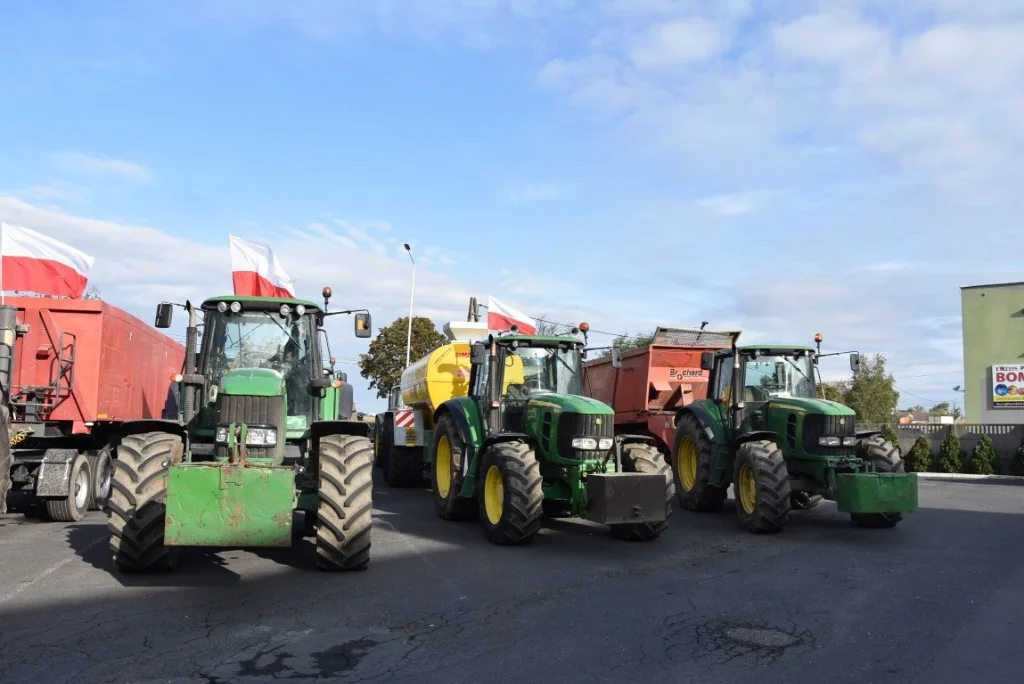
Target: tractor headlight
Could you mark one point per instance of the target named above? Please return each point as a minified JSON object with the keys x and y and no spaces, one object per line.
{"x":285,"y":310}
{"x":300,"y":309}
{"x":221,"y":435}
{"x":584,"y":443}
{"x":829,"y":441}
{"x":605,"y":443}
{"x":263,"y":436}
{"x":849,"y":441}
{"x":222,"y":306}
{"x":236,"y":307}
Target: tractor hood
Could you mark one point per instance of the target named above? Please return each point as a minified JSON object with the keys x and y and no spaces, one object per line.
{"x":809,"y":406}
{"x":256,"y":382}
{"x":568,"y":403}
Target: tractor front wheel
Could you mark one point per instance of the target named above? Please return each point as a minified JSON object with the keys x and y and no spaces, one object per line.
{"x":761,"y":487}
{"x":344,"y":516}
{"x":511,"y":498}
{"x":446,"y":473}
{"x":887,"y":459}
{"x":692,"y":456}
{"x":641,"y":458}
{"x":138,"y":502}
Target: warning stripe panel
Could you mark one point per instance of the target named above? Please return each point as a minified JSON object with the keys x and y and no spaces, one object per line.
{"x":404,"y":419}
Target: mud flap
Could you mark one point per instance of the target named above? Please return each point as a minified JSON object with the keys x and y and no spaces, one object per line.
{"x":614,"y":498}
{"x":53,"y":479}
{"x":228,"y":505}
{"x":876,"y":492}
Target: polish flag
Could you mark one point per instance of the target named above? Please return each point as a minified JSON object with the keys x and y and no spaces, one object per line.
{"x":256,"y":271}
{"x":501,"y":317}
{"x":33,"y":262}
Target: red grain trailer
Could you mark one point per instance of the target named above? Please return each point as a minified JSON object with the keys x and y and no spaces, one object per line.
{"x":71,"y":372}
{"x":655,"y":381}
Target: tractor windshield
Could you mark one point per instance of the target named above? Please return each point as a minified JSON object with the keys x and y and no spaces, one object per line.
{"x":545,"y":369}
{"x":779,"y":375}
{"x":262,"y":339}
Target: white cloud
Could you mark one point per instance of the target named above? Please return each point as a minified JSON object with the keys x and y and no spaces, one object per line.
{"x":91,"y":164}
{"x":678,"y":43}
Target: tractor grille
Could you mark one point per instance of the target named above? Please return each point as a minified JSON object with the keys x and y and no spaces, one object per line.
{"x":572,"y":425}
{"x":816,"y":426}
{"x":255,"y":411}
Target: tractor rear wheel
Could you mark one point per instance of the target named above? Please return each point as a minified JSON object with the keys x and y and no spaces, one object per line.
{"x":76,"y":504}
{"x":404,"y":467}
{"x":641,"y":458}
{"x":761,"y":486}
{"x":102,"y":471}
{"x":511,"y":498}
{"x":692,"y":455}
{"x":138,"y":502}
{"x":6,"y":458}
{"x":446,"y":473}
{"x":887,"y":459}
{"x":344,"y":518}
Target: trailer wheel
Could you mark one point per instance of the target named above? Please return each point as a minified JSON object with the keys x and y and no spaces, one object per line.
{"x":6,"y":458}
{"x":641,"y":458}
{"x":345,"y":514}
{"x":887,"y":459}
{"x":692,"y":455}
{"x":102,"y":474}
{"x":75,"y":505}
{"x":404,"y":467}
{"x":761,"y":486}
{"x":511,"y":498}
{"x":446,"y":473}
{"x":138,"y":502}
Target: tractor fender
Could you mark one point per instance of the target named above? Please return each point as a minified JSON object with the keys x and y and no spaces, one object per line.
{"x":861,"y":434}
{"x":755,"y":435}
{"x":499,"y":437}
{"x":708,"y":416}
{"x":323,"y":428}
{"x":52,"y":477}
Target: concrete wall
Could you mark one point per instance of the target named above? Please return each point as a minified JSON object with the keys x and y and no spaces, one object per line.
{"x":1005,"y":437}
{"x":993,"y":333}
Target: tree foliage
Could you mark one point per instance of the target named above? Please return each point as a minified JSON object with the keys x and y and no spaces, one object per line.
{"x":891,"y":436}
{"x":919,"y":460}
{"x":627,"y":342}
{"x":949,"y":454}
{"x":941,"y":409}
{"x":1017,"y":463}
{"x":835,"y":390}
{"x":872,"y":393}
{"x":384,"y":361}
{"x":984,"y":460}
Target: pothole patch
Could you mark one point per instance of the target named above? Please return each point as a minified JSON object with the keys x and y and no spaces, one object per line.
{"x":722,"y":642}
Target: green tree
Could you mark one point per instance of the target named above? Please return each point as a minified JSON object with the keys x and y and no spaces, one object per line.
{"x":1017,"y":464}
{"x":872,"y":393}
{"x":384,"y":361}
{"x":835,"y":390}
{"x":919,"y":460}
{"x":949,"y":454}
{"x":627,"y":342}
{"x":984,"y":459}
{"x":891,"y":436}
{"x":941,"y":409}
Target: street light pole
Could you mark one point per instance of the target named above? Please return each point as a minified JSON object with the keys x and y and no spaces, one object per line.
{"x":412,"y":295}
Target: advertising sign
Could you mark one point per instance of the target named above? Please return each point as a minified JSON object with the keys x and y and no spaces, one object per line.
{"x":1008,"y":385}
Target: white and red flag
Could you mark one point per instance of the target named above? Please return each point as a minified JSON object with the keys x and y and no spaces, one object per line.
{"x":502,"y":316}
{"x":33,"y":262}
{"x":256,"y":271}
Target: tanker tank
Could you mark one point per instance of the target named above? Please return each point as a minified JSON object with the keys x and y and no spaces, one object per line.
{"x":439,"y":376}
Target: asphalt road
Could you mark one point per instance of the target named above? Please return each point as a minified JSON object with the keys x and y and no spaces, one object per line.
{"x":938,"y":599}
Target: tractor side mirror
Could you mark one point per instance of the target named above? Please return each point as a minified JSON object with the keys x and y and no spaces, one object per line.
{"x":855,"y":362}
{"x":616,"y":357}
{"x":318,"y":385}
{"x":707,"y":360}
{"x":164,"y":313}
{"x":363,"y":325}
{"x":478,"y":356}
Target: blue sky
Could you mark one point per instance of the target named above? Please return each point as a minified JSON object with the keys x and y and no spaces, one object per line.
{"x":781,"y":167}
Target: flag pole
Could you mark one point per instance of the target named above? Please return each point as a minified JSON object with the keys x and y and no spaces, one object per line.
{"x":2,"y":231}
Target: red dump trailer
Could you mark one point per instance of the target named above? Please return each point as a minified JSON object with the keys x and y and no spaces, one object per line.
{"x":71,"y":372}
{"x":655,"y":381}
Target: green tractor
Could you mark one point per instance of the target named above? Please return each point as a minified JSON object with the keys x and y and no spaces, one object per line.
{"x":764,"y":430}
{"x":524,"y":442}
{"x":263,"y":429}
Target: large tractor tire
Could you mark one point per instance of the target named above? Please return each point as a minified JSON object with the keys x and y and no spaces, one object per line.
{"x":446,"y":473}
{"x":6,"y":458}
{"x":692,"y":455}
{"x":102,"y":468}
{"x":345,"y":514}
{"x":761,"y":487}
{"x":511,"y":498}
{"x":403,"y":467}
{"x":138,"y":500}
{"x":78,"y":501}
{"x":642,"y":458}
{"x":887,"y":459}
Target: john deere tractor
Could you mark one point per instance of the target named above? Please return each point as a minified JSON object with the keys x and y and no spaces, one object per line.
{"x":523,"y":442}
{"x":260,"y":432}
{"x":764,"y":430}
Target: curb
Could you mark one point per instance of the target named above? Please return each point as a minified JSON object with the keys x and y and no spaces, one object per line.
{"x":969,"y":477}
